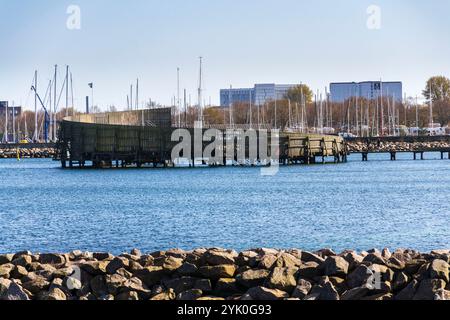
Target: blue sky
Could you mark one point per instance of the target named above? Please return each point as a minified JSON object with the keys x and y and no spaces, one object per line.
{"x":242,"y":42}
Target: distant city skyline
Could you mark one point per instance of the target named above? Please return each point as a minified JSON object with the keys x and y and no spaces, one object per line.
{"x":242,"y":43}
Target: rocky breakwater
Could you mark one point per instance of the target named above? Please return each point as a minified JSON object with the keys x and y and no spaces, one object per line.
{"x":27,"y":153}
{"x":216,"y":274}
{"x":357,"y":147}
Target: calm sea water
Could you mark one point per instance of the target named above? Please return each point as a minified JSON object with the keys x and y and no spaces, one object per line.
{"x":355,"y":205}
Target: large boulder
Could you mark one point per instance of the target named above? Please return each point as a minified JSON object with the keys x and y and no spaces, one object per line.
{"x":95,"y":268}
{"x":325,"y":291}
{"x":187,"y":269}
{"x":55,"y":259}
{"x":253,"y":278}
{"x":6,"y":258}
{"x":309,"y":270}
{"x":5,"y":270}
{"x":439,"y":269}
{"x":180,"y":284}
{"x":38,"y":285}
{"x":127,"y":296}
{"x":216,"y":257}
{"x":428,"y":288}
{"x":302,"y":289}
{"x":55,"y":294}
{"x":99,"y":286}
{"x":151,"y":275}
{"x":168,"y":263}
{"x":190,"y":295}
{"x":217,"y":272}
{"x":226,"y":287}
{"x":265,"y":294}
{"x":166,"y":295}
{"x":116,"y":264}
{"x":267,"y":261}
{"x":287,"y":260}
{"x":356,"y":293}
{"x":408,"y":292}
{"x":282,"y":279}
{"x":11,"y":291}
{"x":311,"y":257}
{"x":335,"y":266}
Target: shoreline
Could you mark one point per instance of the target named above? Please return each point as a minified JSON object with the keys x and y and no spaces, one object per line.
{"x":219,"y":274}
{"x":28,"y":153}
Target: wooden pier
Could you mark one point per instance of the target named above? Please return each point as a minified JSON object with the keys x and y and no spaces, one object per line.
{"x":144,"y":138}
{"x":416,"y":154}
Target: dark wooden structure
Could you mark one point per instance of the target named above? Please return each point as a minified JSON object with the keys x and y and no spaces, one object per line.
{"x":142,"y":138}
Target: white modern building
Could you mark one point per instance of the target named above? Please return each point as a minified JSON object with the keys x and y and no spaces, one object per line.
{"x":341,"y":91}
{"x":258,"y":95}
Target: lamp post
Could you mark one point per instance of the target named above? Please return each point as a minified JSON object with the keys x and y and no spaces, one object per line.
{"x":91,"y":85}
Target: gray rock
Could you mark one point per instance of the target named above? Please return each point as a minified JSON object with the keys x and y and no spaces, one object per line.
{"x":428,"y":288}
{"x":217,"y":272}
{"x":116,"y":264}
{"x":265,"y":294}
{"x":267,"y":261}
{"x":11,"y":291}
{"x":302,"y":289}
{"x":439,"y":270}
{"x":408,"y":292}
{"x":253,"y":278}
{"x":336,"y":266}
{"x":187,"y":269}
{"x":190,"y":295}
{"x":203,"y":284}
{"x":6,"y":258}
{"x":99,"y":286}
{"x":38,"y":285}
{"x":286,"y":260}
{"x":216,"y":258}
{"x":101,"y":256}
{"x":127,"y":296}
{"x":282,"y":279}
{"x":309,"y":270}
{"x":311,"y":257}
{"x":356,"y":293}
{"x":54,"y":259}
{"x":326,"y":292}
{"x":375,"y":258}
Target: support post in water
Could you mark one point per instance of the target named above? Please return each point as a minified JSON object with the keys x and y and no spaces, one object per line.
{"x":393,"y":156}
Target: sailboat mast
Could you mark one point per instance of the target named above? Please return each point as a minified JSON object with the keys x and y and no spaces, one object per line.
{"x":230,"y":102}
{"x":67,"y":91}
{"x":178,"y":97}
{"x":137,"y":94}
{"x":431,"y":106}
{"x":200,"y":92}
{"x":35,"y":136}
{"x":54,"y":101}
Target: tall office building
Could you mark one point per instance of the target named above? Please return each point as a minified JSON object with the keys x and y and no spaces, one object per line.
{"x":342,"y":91}
{"x":259,"y":94}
